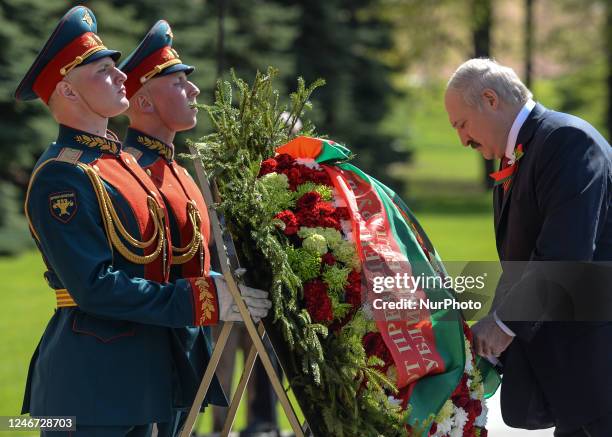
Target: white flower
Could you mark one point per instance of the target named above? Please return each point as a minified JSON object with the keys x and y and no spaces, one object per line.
{"x":461,"y":418}
{"x":395,"y":402}
{"x":478,"y":392}
{"x":444,"y":427}
{"x":481,"y":420}
{"x":469,"y":368}
{"x":309,"y":162}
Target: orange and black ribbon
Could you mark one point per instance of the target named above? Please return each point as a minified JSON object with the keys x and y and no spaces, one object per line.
{"x":505,"y":174}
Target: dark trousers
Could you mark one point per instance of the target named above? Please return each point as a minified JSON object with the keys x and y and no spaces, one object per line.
{"x":175,"y":426}
{"x":601,"y":427}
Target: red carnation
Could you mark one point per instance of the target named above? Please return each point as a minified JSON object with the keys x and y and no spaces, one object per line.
{"x":353,"y":289}
{"x":325,"y":209}
{"x":461,"y":401}
{"x":484,"y":432}
{"x":468,"y":429}
{"x":354,"y":278}
{"x":370,"y":342}
{"x":353,"y":296}
{"x":326,"y":212}
{"x":305,"y":172}
{"x":433,"y":429}
{"x":267,"y":166}
{"x":462,"y":388}
{"x":294,"y":177}
{"x":318,"y":303}
{"x":328,"y":259}
{"x":468,"y":332}
{"x":342,"y":213}
{"x":309,"y":200}
{"x":461,"y":395}
{"x":473,"y":408}
{"x":307,"y":218}
{"x":374,"y":344}
{"x":290,"y":220}
{"x":320,"y":177}
{"x":330,"y":222}
{"x":284,"y":161}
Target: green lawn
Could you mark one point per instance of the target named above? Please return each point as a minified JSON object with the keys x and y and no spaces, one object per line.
{"x":27,"y":305}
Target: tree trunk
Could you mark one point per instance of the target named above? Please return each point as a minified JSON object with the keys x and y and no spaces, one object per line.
{"x":221,"y":8}
{"x":608,"y":36}
{"x":481,"y":35}
{"x":528,"y":41}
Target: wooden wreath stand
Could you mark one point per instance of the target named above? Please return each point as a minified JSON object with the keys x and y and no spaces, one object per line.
{"x":230,"y":269}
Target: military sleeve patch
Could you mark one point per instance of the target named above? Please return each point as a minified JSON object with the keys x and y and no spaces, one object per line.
{"x":63,"y":205}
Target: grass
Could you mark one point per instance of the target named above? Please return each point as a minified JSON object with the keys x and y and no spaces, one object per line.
{"x":27,"y":305}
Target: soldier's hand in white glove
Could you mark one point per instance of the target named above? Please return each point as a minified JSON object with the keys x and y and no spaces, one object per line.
{"x":256,"y":300}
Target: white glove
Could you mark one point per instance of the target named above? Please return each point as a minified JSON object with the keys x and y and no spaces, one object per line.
{"x":256,"y":300}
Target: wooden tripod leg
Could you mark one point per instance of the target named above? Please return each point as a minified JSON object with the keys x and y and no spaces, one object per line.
{"x":240,"y":389}
{"x":265,"y":359}
{"x":242,"y":308}
{"x":207,"y":378}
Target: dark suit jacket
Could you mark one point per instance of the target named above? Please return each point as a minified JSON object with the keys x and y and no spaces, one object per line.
{"x":558,"y":208}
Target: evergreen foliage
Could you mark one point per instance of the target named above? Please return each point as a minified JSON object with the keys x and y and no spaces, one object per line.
{"x":339,"y":390}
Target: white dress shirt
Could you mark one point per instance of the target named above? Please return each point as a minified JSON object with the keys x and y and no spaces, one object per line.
{"x":516,"y":128}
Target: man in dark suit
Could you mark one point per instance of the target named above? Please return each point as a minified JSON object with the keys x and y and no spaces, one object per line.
{"x":553,"y":226}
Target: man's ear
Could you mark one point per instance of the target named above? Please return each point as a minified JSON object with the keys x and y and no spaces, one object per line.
{"x":66,"y":90}
{"x":143,"y":104}
{"x":490,"y":98}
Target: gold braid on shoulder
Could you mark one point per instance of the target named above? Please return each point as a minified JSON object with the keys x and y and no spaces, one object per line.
{"x":114,"y":227}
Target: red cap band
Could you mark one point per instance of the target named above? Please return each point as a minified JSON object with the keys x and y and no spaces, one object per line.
{"x":149,"y":67}
{"x":69,"y":57}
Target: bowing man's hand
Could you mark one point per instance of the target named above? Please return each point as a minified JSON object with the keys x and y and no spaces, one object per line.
{"x":489,"y":339}
{"x":256,"y":300}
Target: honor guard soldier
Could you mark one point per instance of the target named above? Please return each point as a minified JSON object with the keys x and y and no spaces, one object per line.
{"x":162,"y":103}
{"x":106,"y":356}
